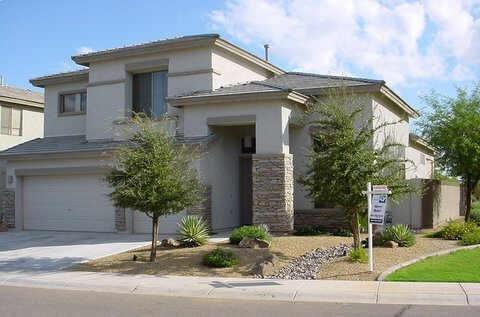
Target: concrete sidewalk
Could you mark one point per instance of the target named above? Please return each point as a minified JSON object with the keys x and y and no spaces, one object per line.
{"x":255,"y":289}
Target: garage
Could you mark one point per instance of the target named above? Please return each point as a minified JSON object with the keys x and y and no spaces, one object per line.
{"x":67,"y":203}
{"x":166,"y":225}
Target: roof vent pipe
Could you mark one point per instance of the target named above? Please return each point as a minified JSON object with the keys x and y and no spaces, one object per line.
{"x":266,"y":51}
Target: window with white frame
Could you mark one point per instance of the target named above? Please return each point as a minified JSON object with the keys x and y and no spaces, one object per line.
{"x":73,"y":103}
{"x":11,"y":121}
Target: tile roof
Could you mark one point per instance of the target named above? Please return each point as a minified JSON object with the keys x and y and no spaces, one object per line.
{"x":292,"y":81}
{"x":17,"y":94}
{"x":78,"y":143}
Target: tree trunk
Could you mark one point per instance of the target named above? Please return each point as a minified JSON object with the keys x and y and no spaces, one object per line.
{"x":354,"y":226}
{"x":468,"y":198}
{"x":153,"y":250}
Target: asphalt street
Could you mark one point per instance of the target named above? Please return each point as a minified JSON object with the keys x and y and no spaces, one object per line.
{"x":20,"y":301}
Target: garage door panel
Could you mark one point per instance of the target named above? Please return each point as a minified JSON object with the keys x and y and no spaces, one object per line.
{"x":167,"y":225}
{"x":67,"y":203}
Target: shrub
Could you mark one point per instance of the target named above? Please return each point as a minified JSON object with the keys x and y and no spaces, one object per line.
{"x":342,"y":233}
{"x":471,"y":238}
{"x":454,"y":230}
{"x":400,"y":233}
{"x":220,"y":258}
{"x":475,"y":213}
{"x":309,"y":231}
{"x":254,"y":232}
{"x":193,"y":231}
{"x":358,"y":255}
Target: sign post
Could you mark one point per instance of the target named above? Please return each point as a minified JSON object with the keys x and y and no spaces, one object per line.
{"x":377,"y":203}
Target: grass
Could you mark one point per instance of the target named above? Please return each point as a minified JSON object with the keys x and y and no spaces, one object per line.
{"x":459,"y":266}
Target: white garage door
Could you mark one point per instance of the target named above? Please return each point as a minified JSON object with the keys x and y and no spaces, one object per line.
{"x":166,"y":225}
{"x":67,"y":203}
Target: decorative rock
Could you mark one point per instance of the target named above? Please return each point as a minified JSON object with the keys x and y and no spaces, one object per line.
{"x":306,"y":266}
{"x":170,"y":243}
{"x":390,"y":244}
{"x":254,"y":243}
{"x":266,"y":267}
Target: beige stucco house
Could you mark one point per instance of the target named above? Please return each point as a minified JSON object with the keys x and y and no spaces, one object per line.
{"x":237,"y":107}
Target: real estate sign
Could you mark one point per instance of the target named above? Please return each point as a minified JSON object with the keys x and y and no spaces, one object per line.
{"x":379,"y":205}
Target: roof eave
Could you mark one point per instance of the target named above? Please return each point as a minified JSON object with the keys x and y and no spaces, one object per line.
{"x":244,"y":96}
{"x":59,"y":78}
{"x":392,"y":96}
{"x":23,"y":102}
{"x":149,"y":48}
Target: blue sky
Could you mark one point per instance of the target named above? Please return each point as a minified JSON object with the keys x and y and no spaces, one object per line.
{"x":415,"y":46}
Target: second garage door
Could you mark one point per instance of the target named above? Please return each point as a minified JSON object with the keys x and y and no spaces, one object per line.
{"x":67,"y":203}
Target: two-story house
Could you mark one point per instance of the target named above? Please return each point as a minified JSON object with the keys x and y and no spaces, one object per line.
{"x":238,"y":107}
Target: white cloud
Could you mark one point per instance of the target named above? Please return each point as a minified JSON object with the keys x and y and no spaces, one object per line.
{"x":84,"y":50}
{"x":398,"y":41}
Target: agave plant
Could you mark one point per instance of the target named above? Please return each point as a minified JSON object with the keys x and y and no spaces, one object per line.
{"x":400,"y":233}
{"x":193,"y":231}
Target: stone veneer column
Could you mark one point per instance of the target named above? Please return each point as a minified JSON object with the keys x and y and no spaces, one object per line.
{"x":8,"y":207}
{"x":272,"y":189}
{"x":204,"y":208}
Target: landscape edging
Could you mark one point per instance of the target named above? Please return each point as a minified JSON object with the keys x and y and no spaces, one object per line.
{"x":396,"y":267}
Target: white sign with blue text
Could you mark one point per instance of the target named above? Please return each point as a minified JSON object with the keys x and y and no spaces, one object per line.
{"x":379,"y":205}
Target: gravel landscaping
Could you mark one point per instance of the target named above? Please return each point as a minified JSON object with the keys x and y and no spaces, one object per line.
{"x":307,"y":266}
{"x":296,"y":257}
{"x":343,"y":269}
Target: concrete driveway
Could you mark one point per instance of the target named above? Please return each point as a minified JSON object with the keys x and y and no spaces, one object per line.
{"x":44,"y":251}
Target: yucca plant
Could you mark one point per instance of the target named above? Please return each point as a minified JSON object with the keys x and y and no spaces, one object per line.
{"x":193,"y":231}
{"x":400,"y":233}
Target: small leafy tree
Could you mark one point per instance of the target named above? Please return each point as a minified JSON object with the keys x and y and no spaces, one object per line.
{"x":452,"y":127}
{"x":154,"y":175}
{"x":344,"y":157}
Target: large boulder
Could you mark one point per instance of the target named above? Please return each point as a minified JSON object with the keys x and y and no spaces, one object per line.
{"x":170,"y":243}
{"x":266,"y":267}
{"x":390,"y":244}
{"x":254,"y":243}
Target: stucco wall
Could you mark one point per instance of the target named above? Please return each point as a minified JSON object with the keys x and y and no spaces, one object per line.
{"x":421,"y":165}
{"x":56,"y":125}
{"x":230,"y":69}
{"x":271,"y":121}
{"x":440,"y":202}
{"x":384,"y":111}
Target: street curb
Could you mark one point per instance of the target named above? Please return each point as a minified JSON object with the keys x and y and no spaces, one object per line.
{"x":396,"y":267}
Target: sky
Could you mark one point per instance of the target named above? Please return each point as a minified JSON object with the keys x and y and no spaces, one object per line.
{"x":415,"y":46}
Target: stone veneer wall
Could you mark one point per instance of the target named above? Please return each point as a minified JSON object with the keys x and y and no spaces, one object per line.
{"x":120,"y":219}
{"x":8,"y":207}
{"x":272,"y":191}
{"x":204,"y":208}
{"x":324,"y":218}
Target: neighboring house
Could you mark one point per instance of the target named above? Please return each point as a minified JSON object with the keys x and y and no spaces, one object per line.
{"x":238,"y":107}
{"x":21,"y":119}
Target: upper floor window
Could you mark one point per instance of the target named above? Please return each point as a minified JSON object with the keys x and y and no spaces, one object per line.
{"x":11,"y":121}
{"x":73,"y":103}
{"x":149,"y":93}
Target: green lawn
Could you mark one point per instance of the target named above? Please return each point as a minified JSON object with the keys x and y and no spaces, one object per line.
{"x":459,"y":266}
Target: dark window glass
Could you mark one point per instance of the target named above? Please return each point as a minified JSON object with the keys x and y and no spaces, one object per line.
{"x":149,"y":93}
{"x":73,"y":102}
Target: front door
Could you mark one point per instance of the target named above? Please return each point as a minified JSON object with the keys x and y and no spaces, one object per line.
{"x":245,"y":177}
